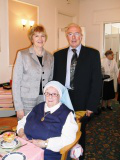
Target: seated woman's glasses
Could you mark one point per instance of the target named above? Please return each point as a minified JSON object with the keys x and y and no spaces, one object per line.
{"x":47,"y":94}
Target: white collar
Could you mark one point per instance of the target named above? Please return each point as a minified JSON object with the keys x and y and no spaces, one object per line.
{"x":109,"y":61}
{"x":78,"y":49}
{"x":51,"y":109}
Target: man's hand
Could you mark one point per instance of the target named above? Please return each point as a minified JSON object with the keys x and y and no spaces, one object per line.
{"x":88,"y":113}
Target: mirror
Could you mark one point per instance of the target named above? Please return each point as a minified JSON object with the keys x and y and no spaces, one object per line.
{"x":112,"y":39}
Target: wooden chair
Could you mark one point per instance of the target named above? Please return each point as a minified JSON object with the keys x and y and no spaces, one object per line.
{"x":79,"y":115}
{"x":7,"y":124}
{"x":64,"y":151}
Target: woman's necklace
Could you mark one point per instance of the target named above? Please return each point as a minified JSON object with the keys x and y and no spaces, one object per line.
{"x":45,"y":114}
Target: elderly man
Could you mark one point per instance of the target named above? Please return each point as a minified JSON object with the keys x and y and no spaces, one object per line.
{"x":79,"y":69}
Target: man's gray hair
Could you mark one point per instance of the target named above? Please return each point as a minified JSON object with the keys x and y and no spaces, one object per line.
{"x":72,"y":25}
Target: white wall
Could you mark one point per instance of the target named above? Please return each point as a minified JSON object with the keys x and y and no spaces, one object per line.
{"x":93,"y":14}
{"x":47,"y":17}
{"x":5,"y":69}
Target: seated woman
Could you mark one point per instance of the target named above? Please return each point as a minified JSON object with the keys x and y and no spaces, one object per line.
{"x":51,"y":124}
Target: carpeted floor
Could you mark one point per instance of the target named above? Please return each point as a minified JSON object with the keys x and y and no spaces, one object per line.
{"x":103,"y":135}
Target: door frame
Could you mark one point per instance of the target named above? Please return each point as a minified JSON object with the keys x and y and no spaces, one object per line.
{"x":57,"y":11}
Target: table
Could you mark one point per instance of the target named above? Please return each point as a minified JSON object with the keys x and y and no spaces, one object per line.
{"x":31,"y":151}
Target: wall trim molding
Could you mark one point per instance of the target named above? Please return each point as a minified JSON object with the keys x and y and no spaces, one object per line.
{"x":106,"y":15}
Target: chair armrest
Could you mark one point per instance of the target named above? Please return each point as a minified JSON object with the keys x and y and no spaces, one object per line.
{"x":79,"y":115}
{"x":64,"y":150}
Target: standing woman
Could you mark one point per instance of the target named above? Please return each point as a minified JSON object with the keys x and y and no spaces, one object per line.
{"x":110,"y":67}
{"x":32,"y":70}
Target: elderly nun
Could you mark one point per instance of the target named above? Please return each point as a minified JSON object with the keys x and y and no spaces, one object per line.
{"x":51,"y":124}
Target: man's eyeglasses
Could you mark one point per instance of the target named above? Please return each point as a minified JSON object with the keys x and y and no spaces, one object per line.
{"x":47,"y":94}
{"x":76,"y":34}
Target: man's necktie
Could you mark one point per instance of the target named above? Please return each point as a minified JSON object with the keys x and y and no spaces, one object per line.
{"x":72,"y":68}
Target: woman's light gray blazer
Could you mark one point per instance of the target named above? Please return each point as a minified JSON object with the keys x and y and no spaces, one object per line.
{"x":28,"y":73}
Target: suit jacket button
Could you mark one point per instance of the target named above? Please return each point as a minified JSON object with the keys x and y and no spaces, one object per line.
{"x":43,"y":79}
{"x":42,"y":72}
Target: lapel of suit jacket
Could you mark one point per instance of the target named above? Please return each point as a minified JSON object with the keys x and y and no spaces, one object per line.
{"x":44,"y":57}
{"x":33,"y":55}
{"x":64,"y":63}
{"x":81,"y":58}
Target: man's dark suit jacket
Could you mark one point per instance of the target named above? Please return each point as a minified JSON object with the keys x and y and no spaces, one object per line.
{"x":87,"y":78}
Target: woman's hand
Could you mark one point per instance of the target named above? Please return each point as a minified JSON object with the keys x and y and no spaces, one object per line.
{"x":38,"y":142}
{"x":22,"y":134}
{"x":20,"y":114}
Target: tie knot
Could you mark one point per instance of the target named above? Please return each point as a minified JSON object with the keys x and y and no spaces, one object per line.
{"x":74,"y":50}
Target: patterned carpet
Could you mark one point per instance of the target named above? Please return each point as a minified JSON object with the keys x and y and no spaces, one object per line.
{"x":103,"y":135}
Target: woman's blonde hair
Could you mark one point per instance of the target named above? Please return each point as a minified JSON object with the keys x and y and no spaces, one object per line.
{"x":36,"y":28}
